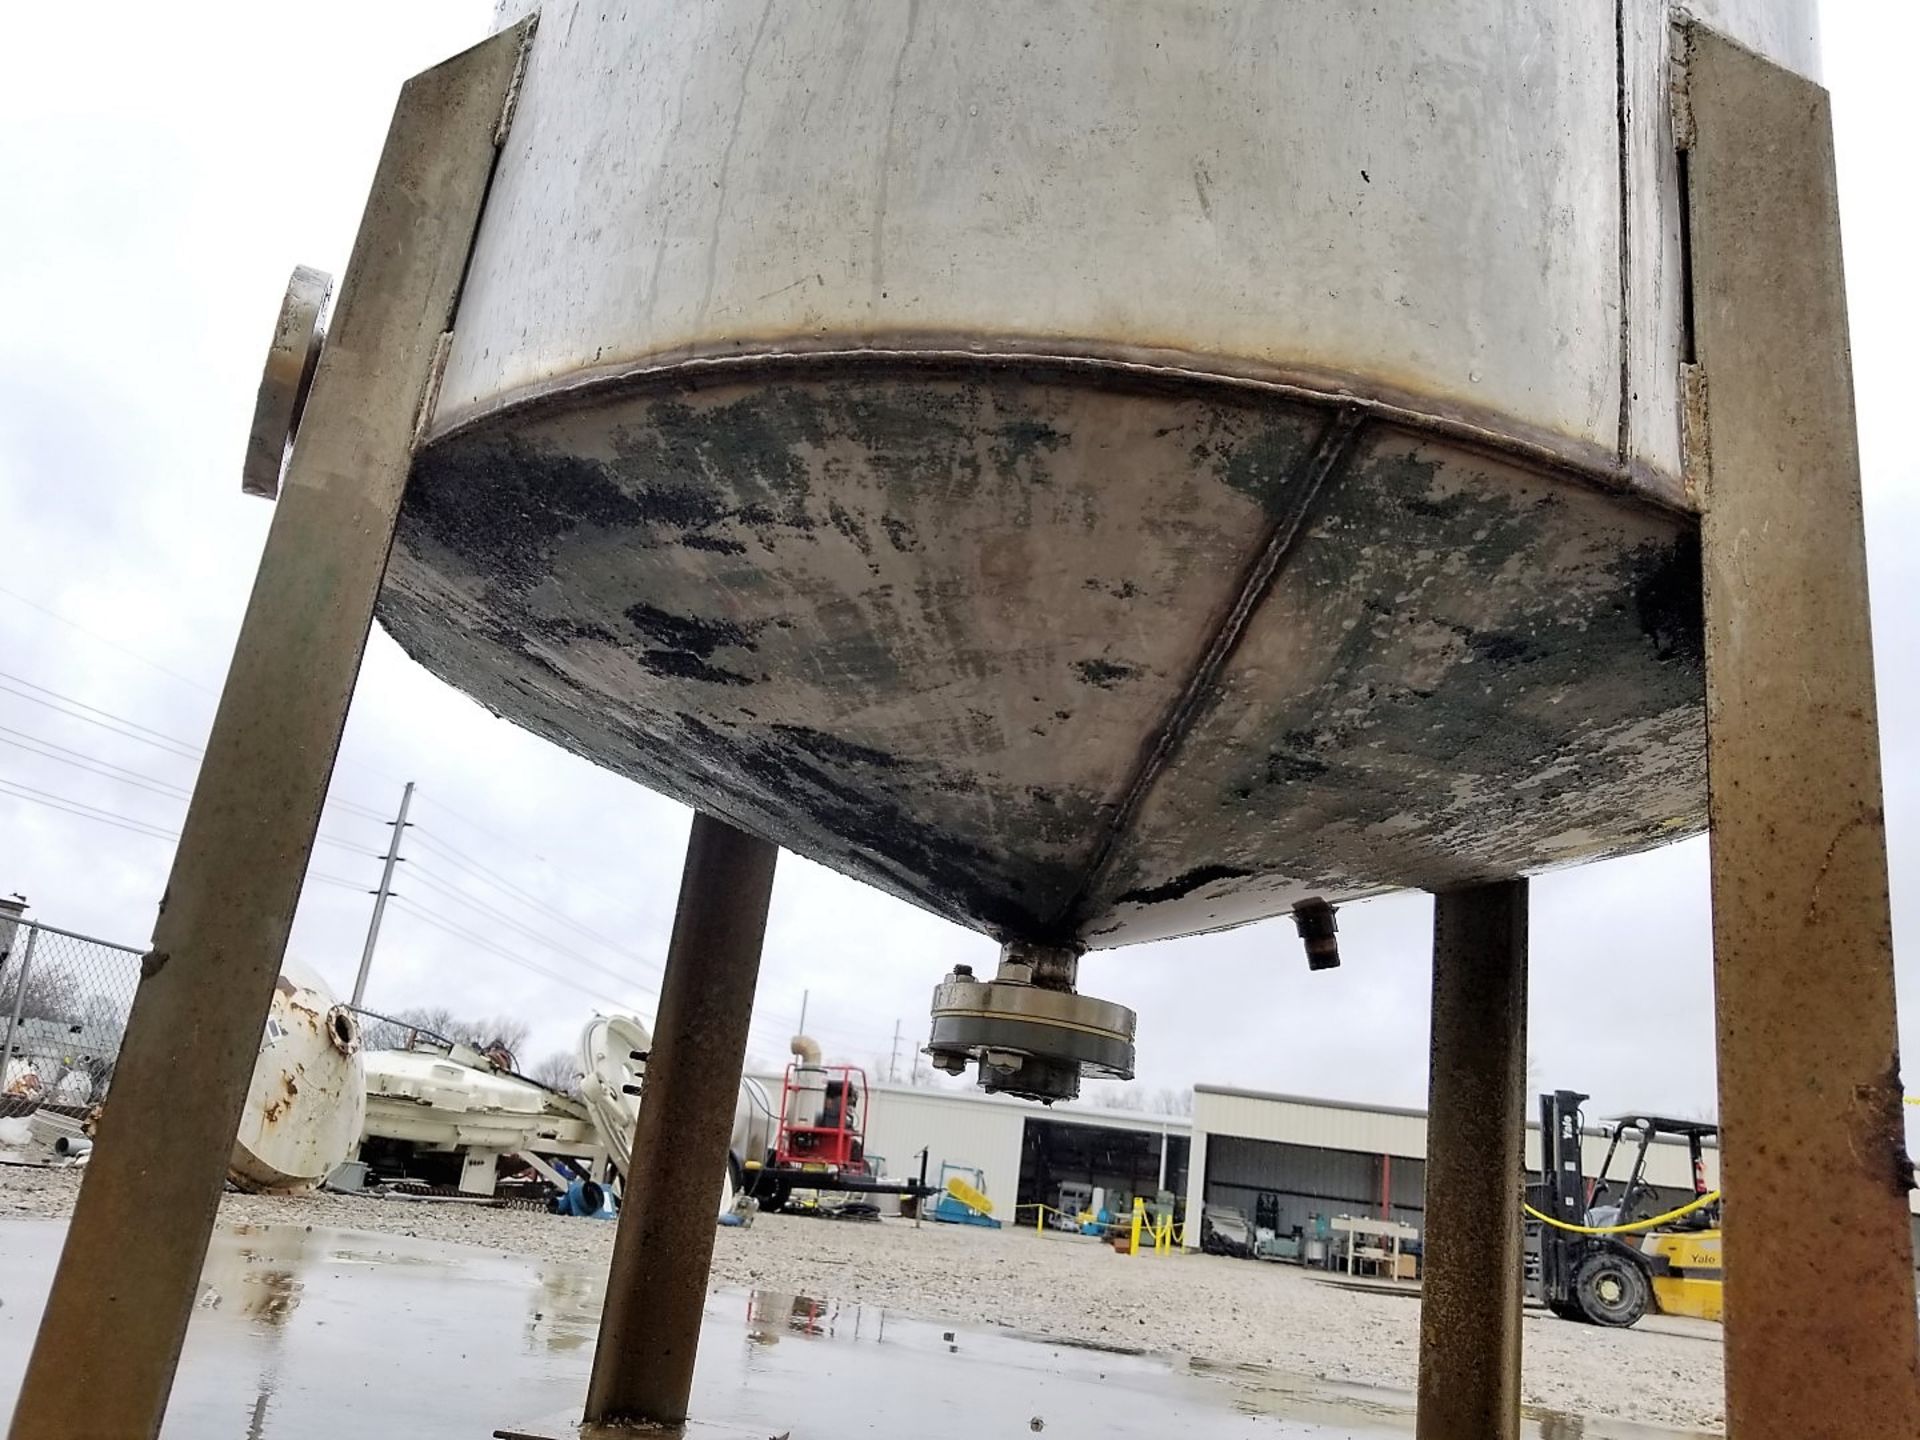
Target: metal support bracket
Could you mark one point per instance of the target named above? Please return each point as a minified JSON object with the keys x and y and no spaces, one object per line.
{"x":1821,"y":1337}
{"x":108,"y":1345}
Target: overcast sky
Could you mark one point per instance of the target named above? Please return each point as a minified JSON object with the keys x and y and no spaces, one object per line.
{"x":160,"y":171}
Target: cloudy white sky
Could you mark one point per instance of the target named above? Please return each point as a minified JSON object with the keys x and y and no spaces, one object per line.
{"x":160,"y":170}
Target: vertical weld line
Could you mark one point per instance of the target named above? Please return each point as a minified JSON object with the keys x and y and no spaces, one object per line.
{"x":1684,"y":173}
{"x":1323,"y":463}
{"x":1622,"y":132}
{"x":502,"y":128}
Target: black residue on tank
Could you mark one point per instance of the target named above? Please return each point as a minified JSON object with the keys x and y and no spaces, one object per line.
{"x":1418,"y":749}
{"x":697,"y":634}
{"x":1181,"y":885}
{"x":671,"y":504}
{"x":1020,"y":441}
{"x":844,"y":522}
{"x":1668,"y":600}
{"x":684,"y":665}
{"x":901,"y":533}
{"x":683,"y":645}
{"x":1293,"y":768}
{"x":835,"y":749}
{"x":879,"y":819}
{"x":499,"y":504}
{"x":1502,"y":647}
{"x":746,"y":449}
{"x":565,"y":630}
{"x":1104,"y":673}
{"x":717,"y":544}
{"x":1262,"y":465}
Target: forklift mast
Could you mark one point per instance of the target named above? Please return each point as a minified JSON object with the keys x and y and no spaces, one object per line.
{"x":1563,"y":1188}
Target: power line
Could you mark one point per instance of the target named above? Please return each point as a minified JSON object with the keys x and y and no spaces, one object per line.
{"x":162,"y":743}
{"x":111,"y":723}
{"x":151,"y":663}
{"x":60,"y":754}
{"x":439,"y":922}
{"x":461,"y":859}
{"x":572,"y":877}
{"x":128,"y":822}
{"x":108,"y":641}
{"x":85,"y":812}
{"x":415,"y":872}
{"x":359,"y":886}
{"x":169,"y":743}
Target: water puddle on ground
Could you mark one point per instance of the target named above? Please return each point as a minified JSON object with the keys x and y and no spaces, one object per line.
{"x":301,"y":1334}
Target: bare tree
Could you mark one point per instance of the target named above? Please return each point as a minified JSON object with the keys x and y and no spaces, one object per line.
{"x":1170,"y":1100}
{"x":558,"y":1071}
{"x":50,"y":994}
{"x":500,"y":1035}
{"x":501,"y":1032}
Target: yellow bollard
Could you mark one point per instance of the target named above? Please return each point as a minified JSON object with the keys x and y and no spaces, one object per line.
{"x":1139,"y":1216}
{"x":1039,"y":1219}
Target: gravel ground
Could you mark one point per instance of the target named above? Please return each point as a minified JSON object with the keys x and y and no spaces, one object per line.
{"x":1229,"y":1312}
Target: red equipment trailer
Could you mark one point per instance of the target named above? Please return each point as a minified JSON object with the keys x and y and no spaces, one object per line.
{"x":821,"y":1141}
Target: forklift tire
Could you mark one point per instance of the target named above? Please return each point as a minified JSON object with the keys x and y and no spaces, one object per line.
{"x":1612,"y":1290}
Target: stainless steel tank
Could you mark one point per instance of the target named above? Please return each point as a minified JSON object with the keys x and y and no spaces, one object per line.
{"x":1100,"y":470}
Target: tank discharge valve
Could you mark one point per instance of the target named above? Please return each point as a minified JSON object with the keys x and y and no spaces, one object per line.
{"x":1027,"y":1029}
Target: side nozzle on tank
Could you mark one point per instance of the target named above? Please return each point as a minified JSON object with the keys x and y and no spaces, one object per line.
{"x":1314,"y":919}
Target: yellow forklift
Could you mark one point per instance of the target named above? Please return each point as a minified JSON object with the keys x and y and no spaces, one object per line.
{"x":1606,"y":1257}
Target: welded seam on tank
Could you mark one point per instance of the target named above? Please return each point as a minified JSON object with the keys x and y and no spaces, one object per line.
{"x":1622,"y":131}
{"x":1585,"y":463}
{"x":1327,"y":458}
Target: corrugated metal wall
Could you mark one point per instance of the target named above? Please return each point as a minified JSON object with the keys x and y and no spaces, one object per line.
{"x":1325,"y":1156}
{"x":1298,"y":1121}
{"x":1302,"y":1122}
{"x":1308,"y":1180}
{"x":958,"y":1130}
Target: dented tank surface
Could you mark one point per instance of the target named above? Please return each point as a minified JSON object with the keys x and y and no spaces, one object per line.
{"x":1099,"y":471}
{"x":1005,"y":643}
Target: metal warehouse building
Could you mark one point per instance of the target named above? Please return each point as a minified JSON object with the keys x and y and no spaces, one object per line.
{"x":1278,"y":1158}
{"x":1283,"y":1158}
{"x":1023,"y":1151}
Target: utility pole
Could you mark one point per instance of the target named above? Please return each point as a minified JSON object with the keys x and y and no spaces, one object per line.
{"x":803,"y":1011}
{"x":399,"y":823}
{"x":893,"y":1055}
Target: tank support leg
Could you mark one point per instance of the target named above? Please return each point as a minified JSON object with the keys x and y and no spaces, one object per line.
{"x":1821,"y":1335}
{"x":1476,"y":1124}
{"x":657,"y":1284}
{"x":109,"y":1341}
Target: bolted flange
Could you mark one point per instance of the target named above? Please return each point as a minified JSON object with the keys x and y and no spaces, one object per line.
{"x":298,"y":334}
{"x":1026,"y":1029}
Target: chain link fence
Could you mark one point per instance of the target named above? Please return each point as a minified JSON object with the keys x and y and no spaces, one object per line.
{"x":64,"y":1002}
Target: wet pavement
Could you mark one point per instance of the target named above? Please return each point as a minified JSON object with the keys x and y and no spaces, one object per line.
{"x":301,"y":1334}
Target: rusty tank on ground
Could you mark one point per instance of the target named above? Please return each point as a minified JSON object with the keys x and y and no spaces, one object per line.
{"x":1099,"y":471}
{"x":307,"y":1099}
